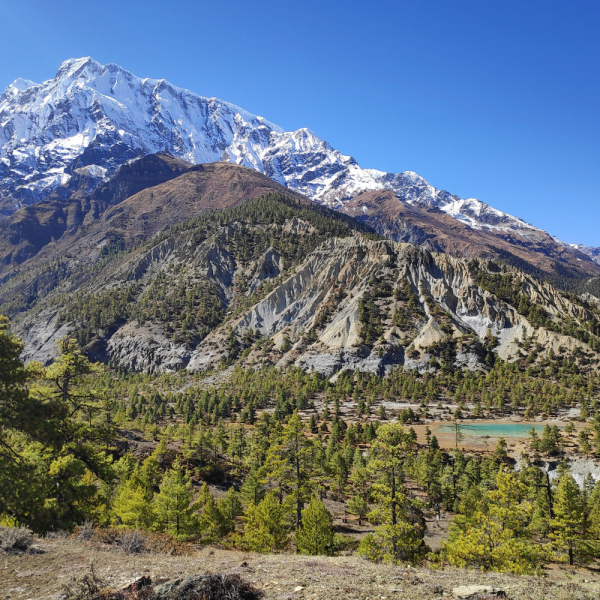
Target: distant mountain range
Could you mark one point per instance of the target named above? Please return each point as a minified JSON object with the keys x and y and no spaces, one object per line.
{"x":68,"y":136}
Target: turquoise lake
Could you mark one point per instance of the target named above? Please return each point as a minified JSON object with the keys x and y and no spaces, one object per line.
{"x":511,"y":430}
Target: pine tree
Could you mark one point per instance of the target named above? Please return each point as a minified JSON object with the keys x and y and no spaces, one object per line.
{"x":358,"y":506}
{"x":551,"y":440}
{"x":400,"y":535}
{"x":500,"y":454}
{"x":569,"y":522}
{"x":361,"y":407}
{"x":132,"y":507}
{"x":493,"y":533}
{"x":264,"y":529}
{"x":230,"y":508}
{"x":253,"y":488}
{"x":434,"y":466}
{"x":173,"y":503}
{"x":211,"y":521}
{"x":315,"y":535}
{"x":288,"y":465}
{"x":219,"y":438}
{"x":593,"y":506}
{"x":18,"y":410}
{"x":53,"y":438}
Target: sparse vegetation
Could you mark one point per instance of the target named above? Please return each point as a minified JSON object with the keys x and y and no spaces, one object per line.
{"x":15,"y":539}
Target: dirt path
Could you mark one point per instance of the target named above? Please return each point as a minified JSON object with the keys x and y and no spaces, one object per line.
{"x":282,"y":577}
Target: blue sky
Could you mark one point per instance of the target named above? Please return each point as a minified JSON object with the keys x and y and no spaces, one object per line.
{"x":490,"y":99}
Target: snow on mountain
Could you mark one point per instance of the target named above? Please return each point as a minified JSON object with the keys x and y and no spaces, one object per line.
{"x":412,"y":188}
{"x":96,"y":117}
{"x":91,"y":114}
{"x":593,"y":253}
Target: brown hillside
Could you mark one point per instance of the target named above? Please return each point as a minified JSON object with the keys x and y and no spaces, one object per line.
{"x":438,"y":231}
{"x":212,"y":186}
{"x":27,"y":231}
{"x":79,"y":225}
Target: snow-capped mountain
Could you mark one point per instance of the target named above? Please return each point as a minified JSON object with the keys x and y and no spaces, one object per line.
{"x":593,"y":253}
{"x":412,"y":188}
{"x":94,"y":118}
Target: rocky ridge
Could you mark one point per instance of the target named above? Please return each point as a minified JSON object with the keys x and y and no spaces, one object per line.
{"x":433,"y":229}
{"x":454,"y":315}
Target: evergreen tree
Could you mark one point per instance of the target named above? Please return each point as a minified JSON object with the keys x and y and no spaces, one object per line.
{"x":53,"y":438}
{"x":358,"y":506}
{"x":18,"y":410}
{"x":230,"y":508}
{"x":493,"y":533}
{"x":593,"y":506}
{"x":400,"y":535}
{"x":500,"y":453}
{"x":315,"y":535}
{"x":289,"y":465}
{"x":132,"y":507}
{"x":253,"y":488}
{"x":264,"y":529}
{"x":569,"y":522}
{"x":173,"y":503}
{"x":211,"y":522}
{"x":550,"y":441}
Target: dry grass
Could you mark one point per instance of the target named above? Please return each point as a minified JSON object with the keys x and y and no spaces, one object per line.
{"x":41,"y":576}
{"x":132,"y":541}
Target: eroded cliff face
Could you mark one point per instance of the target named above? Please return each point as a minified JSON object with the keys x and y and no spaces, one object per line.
{"x":315,"y":318}
{"x":351,"y":303}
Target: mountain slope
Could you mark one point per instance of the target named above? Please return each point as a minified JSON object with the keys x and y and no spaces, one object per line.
{"x":193,"y":286}
{"x":143,"y":198}
{"x":282,"y":280}
{"x":76,"y":129}
{"x":434,"y":229}
{"x":593,"y":253}
{"x":32,"y":228}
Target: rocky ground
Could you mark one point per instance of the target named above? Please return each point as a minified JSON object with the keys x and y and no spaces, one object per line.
{"x":42,"y":574}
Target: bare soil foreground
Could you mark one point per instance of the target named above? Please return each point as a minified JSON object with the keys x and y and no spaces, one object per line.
{"x":43,"y":573}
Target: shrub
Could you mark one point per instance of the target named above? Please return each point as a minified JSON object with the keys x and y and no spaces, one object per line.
{"x":88,"y":586}
{"x":85,"y":531}
{"x":133,"y":542}
{"x":15,"y":539}
{"x":207,"y":587}
{"x":217,"y":586}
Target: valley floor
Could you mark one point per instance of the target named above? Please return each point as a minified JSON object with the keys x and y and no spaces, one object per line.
{"x":41,"y":575}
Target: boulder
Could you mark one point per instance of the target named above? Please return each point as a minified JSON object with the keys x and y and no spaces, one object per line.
{"x":472,"y":592}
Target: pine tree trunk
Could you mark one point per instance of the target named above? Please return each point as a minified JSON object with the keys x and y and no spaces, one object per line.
{"x":570,"y":554}
{"x":394,"y":544}
{"x":298,"y":498}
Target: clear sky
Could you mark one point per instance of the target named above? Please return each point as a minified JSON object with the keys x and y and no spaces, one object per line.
{"x":491,"y":99}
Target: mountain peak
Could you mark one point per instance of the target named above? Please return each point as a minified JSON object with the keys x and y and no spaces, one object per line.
{"x":22,"y":84}
{"x":79,"y":68}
